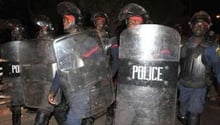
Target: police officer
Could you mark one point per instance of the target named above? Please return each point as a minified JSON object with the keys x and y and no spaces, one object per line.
{"x":71,"y":15}
{"x":45,"y":52}
{"x":132,"y":15}
{"x":100,"y":22}
{"x":17,"y":29}
{"x":17,"y":33}
{"x":85,"y":101}
{"x":71,"y":20}
{"x":194,"y":74}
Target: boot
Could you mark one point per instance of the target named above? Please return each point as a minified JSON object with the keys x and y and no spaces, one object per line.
{"x":42,"y":118}
{"x":193,"y":119}
{"x":16,"y":115}
{"x":60,"y":117}
{"x":88,"y":121}
{"x":182,"y":119}
{"x":61,"y":111}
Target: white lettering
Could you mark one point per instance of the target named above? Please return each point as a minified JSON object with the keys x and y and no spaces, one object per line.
{"x":134,"y":71}
{"x":151,"y":73}
{"x":15,"y":69}
{"x":159,"y":74}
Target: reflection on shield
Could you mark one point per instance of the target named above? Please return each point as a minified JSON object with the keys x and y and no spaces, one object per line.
{"x":146,"y":95}
{"x":36,"y":69}
{"x":83,"y":69}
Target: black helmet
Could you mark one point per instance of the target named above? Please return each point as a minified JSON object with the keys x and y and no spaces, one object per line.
{"x":133,"y":9}
{"x":201,"y":15}
{"x":43,"y":21}
{"x":14,"y":23}
{"x":100,"y":14}
{"x":68,"y":8}
{"x":17,"y":29}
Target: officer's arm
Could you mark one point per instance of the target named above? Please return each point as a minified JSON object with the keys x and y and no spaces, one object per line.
{"x":54,"y":89}
{"x":206,"y":61}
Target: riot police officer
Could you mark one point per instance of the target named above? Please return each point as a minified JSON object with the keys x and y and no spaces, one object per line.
{"x":17,"y":29}
{"x":194,"y":73}
{"x":17,"y":101}
{"x":71,"y":20}
{"x":100,"y":22}
{"x":85,"y":94}
{"x":45,"y":38}
{"x":132,"y":15}
{"x":71,"y":16}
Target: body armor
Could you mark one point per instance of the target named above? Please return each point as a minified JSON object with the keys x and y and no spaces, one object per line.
{"x":193,"y":65}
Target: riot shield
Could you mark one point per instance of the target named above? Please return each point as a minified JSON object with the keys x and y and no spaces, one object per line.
{"x":36,"y":65}
{"x":83,"y":69}
{"x":146,"y":88}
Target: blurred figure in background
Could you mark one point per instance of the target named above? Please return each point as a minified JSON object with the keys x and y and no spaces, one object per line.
{"x":45,"y":39}
{"x":17,"y":30}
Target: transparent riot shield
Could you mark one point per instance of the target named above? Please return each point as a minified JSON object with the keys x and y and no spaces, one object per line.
{"x":147,"y":81}
{"x":83,"y":68}
{"x":33,"y":72}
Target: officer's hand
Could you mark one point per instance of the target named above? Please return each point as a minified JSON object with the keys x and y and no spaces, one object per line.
{"x":51,"y":98}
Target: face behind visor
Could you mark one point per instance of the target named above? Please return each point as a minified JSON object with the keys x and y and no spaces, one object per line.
{"x":133,"y":9}
{"x":134,"y":20}
{"x":199,"y":28}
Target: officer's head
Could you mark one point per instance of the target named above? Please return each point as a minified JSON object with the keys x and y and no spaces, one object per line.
{"x":17,"y":29}
{"x":43,"y":23}
{"x":133,"y":14}
{"x":100,"y":20}
{"x":70,"y":13}
{"x":200,"y":23}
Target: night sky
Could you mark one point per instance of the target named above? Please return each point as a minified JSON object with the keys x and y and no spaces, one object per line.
{"x":166,"y":12}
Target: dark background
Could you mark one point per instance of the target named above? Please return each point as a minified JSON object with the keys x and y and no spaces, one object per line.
{"x":166,"y":12}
